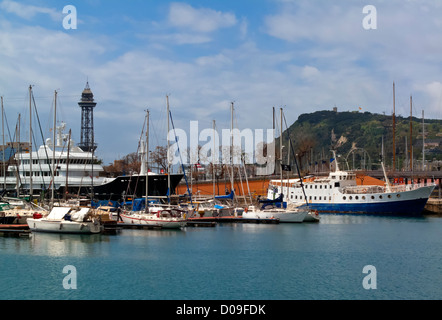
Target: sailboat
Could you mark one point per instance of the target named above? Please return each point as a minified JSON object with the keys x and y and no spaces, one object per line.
{"x":277,"y":209}
{"x":162,"y":216}
{"x":64,"y":219}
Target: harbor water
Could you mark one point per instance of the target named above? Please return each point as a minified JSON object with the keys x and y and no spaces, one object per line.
{"x":343,"y":257}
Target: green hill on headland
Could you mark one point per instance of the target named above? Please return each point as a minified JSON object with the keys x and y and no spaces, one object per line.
{"x":358,"y":138}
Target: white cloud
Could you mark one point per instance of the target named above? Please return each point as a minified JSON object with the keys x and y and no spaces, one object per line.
{"x":310,"y":73}
{"x":313,"y":69}
{"x":181,"y":38}
{"x":204,"y":20}
{"x":29,"y":11}
{"x":434,"y":92}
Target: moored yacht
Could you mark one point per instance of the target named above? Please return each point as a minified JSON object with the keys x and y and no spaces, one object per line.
{"x":74,"y":168}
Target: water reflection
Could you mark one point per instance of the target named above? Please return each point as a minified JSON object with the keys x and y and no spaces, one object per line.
{"x":152,"y":233}
{"x":366,"y":218}
{"x":61,"y":245}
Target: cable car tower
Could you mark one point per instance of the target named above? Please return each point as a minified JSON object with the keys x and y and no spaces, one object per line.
{"x":87,"y":106}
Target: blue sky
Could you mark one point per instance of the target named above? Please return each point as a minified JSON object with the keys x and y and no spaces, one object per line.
{"x":298,"y":54}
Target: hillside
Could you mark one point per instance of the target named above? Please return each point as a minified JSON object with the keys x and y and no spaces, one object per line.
{"x":315,"y":134}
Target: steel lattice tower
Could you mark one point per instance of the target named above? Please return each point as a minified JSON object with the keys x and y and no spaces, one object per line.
{"x":87,"y":106}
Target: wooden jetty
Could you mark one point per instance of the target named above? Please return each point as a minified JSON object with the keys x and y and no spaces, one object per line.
{"x":231,"y":219}
{"x":204,"y":222}
{"x":15,"y":230}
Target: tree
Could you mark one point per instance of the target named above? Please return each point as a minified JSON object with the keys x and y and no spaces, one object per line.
{"x":159,"y":157}
{"x":128,"y":165}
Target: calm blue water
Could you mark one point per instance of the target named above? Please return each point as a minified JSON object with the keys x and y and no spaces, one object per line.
{"x":233,"y":261}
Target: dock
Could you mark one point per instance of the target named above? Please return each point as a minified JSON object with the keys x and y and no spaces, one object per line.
{"x":433,"y":206}
{"x":231,"y":219}
{"x":204,"y":222}
{"x":15,"y":230}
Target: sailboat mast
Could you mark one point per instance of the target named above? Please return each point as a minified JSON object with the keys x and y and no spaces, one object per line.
{"x":53,"y":148}
{"x":213,"y":160}
{"x":146,"y":154}
{"x":280,"y":141}
{"x":423,"y":142}
{"x":67,"y":167}
{"x":168,"y":151}
{"x":411,"y":133}
{"x":17,"y":134}
{"x":231,"y":145}
{"x":394,"y":129}
{"x":3,"y":153}
{"x":31,"y":191}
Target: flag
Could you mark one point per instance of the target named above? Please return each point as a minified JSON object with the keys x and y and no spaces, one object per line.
{"x":286,"y":167}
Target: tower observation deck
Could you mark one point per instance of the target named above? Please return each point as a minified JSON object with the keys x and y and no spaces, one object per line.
{"x":87,"y":106}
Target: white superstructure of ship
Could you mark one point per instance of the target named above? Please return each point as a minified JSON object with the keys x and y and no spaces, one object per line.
{"x":74,"y":167}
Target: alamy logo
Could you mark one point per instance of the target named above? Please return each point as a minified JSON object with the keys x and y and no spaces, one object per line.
{"x":370,"y":281}
{"x":232,"y":147}
{"x":70,"y":281}
{"x":370,"y":20}
{"x":70,"y":20}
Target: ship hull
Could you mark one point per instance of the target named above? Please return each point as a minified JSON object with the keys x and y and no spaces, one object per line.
{"x":400,"y":203}
{"x":135,"y":186}
{"x":413,"y":207}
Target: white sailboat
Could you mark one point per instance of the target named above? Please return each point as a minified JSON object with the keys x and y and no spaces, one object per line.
{"x":167,"y":216}
{"x":274,"y":209}
{"x":296,"y":215}
{"x":66,"y":220}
